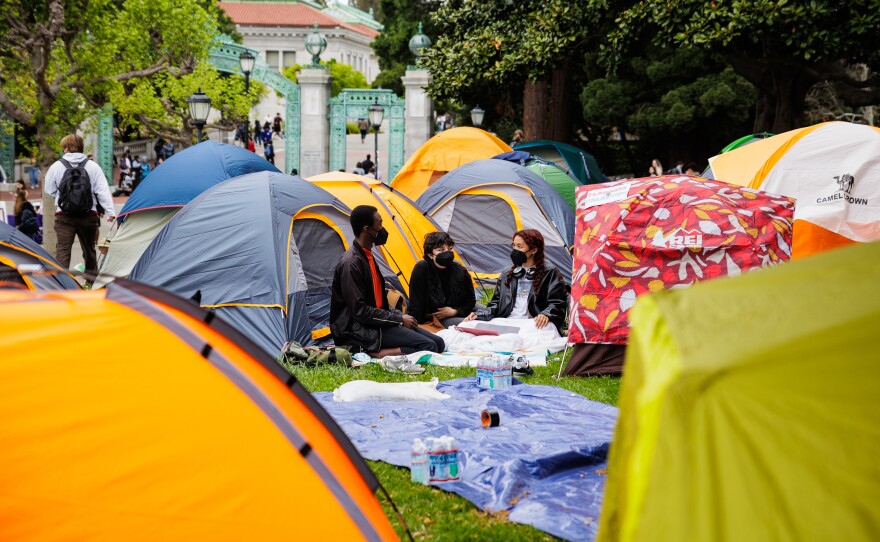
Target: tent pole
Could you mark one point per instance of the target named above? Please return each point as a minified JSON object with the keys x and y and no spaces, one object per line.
{"x":564,"y":361}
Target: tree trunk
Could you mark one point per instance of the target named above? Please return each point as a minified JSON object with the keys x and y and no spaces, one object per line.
{"x":791,"y":85}
{"x":47,"y":201}
{"x":782,"y":93}
{"x":535,"y":110}
{"x":559,"y":114}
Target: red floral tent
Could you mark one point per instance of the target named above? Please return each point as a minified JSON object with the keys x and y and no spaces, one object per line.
{"x":645,"y":235}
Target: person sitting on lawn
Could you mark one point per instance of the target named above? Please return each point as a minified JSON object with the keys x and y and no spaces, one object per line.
{"x":440,"y":287}
{"x":359,"y":313}
{"x":529,"y":289}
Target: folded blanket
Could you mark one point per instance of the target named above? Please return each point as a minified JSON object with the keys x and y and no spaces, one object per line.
{"x":528,"y":338}
{"x":367,"y":390}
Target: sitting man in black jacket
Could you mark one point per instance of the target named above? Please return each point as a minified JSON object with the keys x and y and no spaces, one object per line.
{"x":359,"y":312}
{"x":440,"y":287}
{"x":529,"y":289}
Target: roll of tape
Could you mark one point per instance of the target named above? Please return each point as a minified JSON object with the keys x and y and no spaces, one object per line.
{"x":490,"y":418}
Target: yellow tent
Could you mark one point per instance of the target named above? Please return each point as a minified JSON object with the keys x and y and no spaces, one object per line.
{"x":443,"y":153}
{"x":832,"y":169}
{"x":132,"y":414}
{"x":749,"y":408}
{"x":407,"y":225}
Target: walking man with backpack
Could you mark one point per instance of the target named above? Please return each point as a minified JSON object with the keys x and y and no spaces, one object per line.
{"x":78,"y":185}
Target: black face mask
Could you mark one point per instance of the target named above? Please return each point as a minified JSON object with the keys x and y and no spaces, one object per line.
{"x":518,"y":257}
{"x":444,"y":259}
{"x":380,"y":237}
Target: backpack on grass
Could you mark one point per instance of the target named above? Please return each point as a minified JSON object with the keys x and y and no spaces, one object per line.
{"x":75,"y":189}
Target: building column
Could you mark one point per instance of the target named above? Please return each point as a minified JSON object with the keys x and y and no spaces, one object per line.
{"x":419,"y":110}
{"x":315,"y":148}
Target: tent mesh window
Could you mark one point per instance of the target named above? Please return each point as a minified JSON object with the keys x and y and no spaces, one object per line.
{"x":482,"y":219}
{"x":319,"y":250}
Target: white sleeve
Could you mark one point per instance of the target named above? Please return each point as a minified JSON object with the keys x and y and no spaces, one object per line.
{"x":100,"y":189}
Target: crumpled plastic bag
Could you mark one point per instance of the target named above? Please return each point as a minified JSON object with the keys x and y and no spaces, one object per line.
{"x":368,"y":390}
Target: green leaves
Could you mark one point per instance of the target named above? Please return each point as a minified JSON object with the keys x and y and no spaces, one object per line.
{"x":60,"y":59}
{"x":500,"y":42}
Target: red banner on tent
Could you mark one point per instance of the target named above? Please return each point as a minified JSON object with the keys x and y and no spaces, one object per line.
{"x":645,"y":235}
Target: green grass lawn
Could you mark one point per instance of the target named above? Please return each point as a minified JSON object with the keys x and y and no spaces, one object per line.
{"x":431,"y":513}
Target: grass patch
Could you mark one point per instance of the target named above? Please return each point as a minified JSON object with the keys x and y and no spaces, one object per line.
{"x":431,"y":513}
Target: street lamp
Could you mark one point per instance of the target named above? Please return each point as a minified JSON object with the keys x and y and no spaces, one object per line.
{"x":418,"y":44}
{"x":315,"y":45}
{"x":376,"y":113}
{"x":477,"y":114}
{"x":199,"y":107}
{"x":246,"y":60}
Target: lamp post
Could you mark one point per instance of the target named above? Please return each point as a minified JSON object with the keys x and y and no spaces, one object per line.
{"x":246,"y":60}
{"x":199,"y":107}
{"x":315,"y":45}
{"x":477,"y":114}
{"x":376,"y":113}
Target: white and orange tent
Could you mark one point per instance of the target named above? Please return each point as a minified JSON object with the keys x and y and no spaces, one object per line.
{"x":832,"y":169}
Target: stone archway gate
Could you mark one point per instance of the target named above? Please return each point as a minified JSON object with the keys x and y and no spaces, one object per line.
{"x":353,"y":104}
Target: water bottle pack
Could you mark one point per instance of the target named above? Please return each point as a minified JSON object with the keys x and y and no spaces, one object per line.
{"x":435,"y":460}
{"x":494,"y":372}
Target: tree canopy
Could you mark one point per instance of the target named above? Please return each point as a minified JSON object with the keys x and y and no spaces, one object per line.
{"x":60,"y":59}
{"x":401,"y":19}
{"x":783,"y":47}
{"x":690,"y":93}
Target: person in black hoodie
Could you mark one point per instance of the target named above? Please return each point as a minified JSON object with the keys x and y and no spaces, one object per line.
{"x":440,"y":287}
{"x":530,"y":288}
{"x":359,"y":313}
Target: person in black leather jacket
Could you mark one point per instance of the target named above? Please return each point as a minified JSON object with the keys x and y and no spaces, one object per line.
{"x":440,"y":287}
{"x":359,"y":313}
{"x":530,"y":288}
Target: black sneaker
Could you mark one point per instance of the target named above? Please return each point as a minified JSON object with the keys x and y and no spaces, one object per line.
{"x":520,"y":366}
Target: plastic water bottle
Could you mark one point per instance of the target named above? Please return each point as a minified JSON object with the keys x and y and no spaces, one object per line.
{"x":452,"y":463}
{"x":506,"y":370}
{"x":419,"y":463}
{"x":437,"y":461}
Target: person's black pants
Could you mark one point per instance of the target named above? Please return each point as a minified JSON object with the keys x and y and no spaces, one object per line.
{"x":411,"y":340}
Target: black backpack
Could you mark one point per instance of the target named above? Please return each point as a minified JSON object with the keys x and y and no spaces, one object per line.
{"x":29,"y":225}
{"x":75,"y":189}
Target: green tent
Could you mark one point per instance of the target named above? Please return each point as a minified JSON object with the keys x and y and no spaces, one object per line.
{"x":750,"y":408}
{"x":576,"y":162}
{"x":733,"y":145}
{"x":745,"y":140}
{"x":557,"y":178}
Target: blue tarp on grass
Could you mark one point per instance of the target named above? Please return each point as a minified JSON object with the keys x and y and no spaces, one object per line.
{"x":545,"y":464}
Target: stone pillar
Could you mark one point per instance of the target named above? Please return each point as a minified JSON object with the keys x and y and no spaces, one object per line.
{"x":419,"y":110}
{"x":315,"y":149}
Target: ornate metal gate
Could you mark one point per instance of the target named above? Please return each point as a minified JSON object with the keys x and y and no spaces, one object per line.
{"x":353,"y":103}
{"x":225,"y":57}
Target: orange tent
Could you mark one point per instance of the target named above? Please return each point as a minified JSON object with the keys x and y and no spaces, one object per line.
{"x":406,"y":223}
{"x":130,"y":414}
{"x":443,"y":153}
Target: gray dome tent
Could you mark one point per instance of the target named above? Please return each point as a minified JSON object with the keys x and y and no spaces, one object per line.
{"x":482,"y":203}
{"x":260,"y":249}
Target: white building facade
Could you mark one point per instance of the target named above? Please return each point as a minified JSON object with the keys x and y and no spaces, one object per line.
{"x":278,"y":30}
